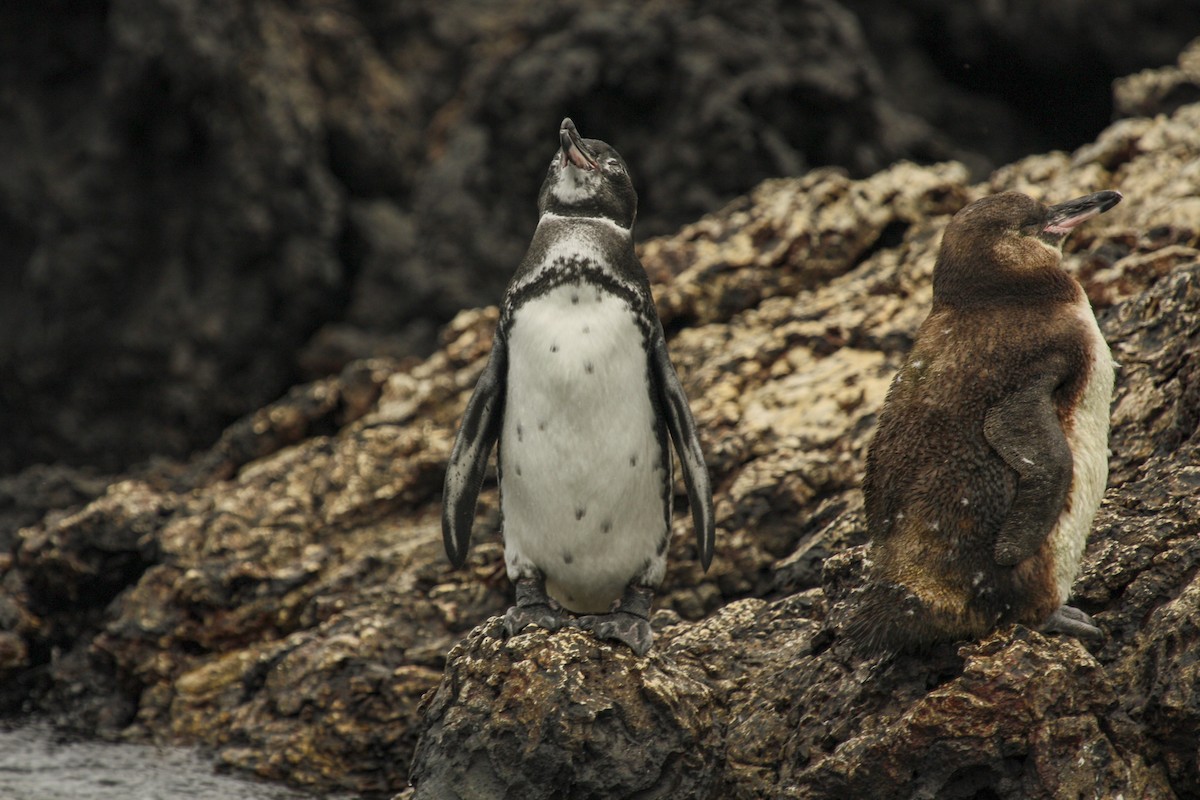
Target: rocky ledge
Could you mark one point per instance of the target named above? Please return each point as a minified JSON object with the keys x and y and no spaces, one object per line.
{"x":283,"y":598}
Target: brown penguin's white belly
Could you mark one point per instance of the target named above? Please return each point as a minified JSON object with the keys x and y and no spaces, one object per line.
{"x":1087,"y":436}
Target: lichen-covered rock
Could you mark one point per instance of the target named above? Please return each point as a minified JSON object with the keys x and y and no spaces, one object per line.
{"x":544,"y":717}
{"x":1025,"y":717}
{"x":1160,"y":91}
{"x":284,"y":598}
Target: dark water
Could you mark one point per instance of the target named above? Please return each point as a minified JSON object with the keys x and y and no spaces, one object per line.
{"x":36,"y":765}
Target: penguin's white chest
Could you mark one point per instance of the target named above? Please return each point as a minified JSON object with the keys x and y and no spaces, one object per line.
{"x":1087,"y":435}
{"x":583,"y":470}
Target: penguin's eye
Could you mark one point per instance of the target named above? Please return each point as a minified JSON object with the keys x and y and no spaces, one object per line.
{"x":1031,"y":227}
{"x":612,"y":163}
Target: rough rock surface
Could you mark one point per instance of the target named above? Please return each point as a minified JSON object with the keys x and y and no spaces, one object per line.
{"x":1160,"y":91}
{"x":283,"y":598}
{"x":202,"y":201}
{"x":568,"y":718}
{"x":1005,"y":66}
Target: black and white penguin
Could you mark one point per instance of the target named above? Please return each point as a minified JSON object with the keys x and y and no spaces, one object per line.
{"x":580,"y":393}
{"x":991,"y":453}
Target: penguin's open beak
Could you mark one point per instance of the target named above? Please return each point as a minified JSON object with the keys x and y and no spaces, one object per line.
{"x":1065,"y":216}
{"x":573,"y":148}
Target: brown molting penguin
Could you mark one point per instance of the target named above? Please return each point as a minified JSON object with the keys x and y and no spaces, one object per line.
{"x":991,"y":453}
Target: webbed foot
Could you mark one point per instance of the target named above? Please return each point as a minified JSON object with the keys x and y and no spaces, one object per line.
{"x":1073,"y":622}
{"x":622,"y":627}
{"x":628,"y":622}
{"x":534,"y":607}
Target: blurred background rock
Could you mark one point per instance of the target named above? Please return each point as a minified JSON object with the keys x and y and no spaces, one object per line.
{"x":205,"y":203}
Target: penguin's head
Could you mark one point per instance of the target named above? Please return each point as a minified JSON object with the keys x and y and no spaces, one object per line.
{"x":587,"y":178}
{"x":1008,"y":247}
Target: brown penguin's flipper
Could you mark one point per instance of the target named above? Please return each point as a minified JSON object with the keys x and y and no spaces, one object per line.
{"x":534,"y":607}
{"x":1073,"y":622}
{"x":628,"y":622}
{"x":1024,"y":429}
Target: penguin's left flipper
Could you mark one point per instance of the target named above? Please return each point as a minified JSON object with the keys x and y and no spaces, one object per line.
{"x":468,"y":460}
{"x":1024,"y":429}
{"x":683,"y":432}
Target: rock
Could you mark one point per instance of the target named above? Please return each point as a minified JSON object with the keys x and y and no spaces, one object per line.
{"x":1160,"y":91}
{"x":1004,"y":80}
{"x":205,"y":202}
{"x":284,"y":600}
{"x":1027,"y":716}
{"x":27,"y":497}
{"x":565,"y":716}
{"x":172,"y":220}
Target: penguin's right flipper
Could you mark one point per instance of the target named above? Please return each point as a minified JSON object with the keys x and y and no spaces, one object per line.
{"x":682,"y":426}
{"x":468,"y":460}
{"x":1024,"y":429}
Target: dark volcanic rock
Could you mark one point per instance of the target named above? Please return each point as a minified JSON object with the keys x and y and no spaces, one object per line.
{"x":201,"y":202}
{"x":1012,"y":77}
{"x":189,"y":191}
{"x":284,"y":599}
{"x":170,"y":219}
{"x":541,"y":719}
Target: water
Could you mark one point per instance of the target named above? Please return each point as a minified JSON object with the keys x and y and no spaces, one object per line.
{"x":36,"y":765}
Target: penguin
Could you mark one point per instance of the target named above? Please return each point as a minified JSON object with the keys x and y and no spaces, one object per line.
{"x":990,"y":455}
{"x":582,"y":399}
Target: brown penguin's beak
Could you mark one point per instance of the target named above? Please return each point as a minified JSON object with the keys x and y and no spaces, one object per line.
{"x":573,"y":148}
{"x":1065,"y":216}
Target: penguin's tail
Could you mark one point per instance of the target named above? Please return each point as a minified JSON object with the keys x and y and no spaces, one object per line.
{"x":886,"y":618}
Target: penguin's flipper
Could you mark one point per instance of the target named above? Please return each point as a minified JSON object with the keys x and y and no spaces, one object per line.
{"x":1024,"y":429}
{"x":683,"y":432}
{"x":477,"y":435}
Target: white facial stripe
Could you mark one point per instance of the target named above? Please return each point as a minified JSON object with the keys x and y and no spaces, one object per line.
{"x":575,"y":185}
{"x":1056,"y":250}
{"x":552,"y":217}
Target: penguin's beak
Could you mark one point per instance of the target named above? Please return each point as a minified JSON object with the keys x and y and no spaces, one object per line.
{"x":1065,"y":216}
{"x":573,"y":149}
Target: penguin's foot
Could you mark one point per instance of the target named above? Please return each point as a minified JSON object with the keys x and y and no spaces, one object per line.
{"x":622,"y":627}
{"x":534,"y":607}
{"x":628,"y":622}
{"x":519,"y":618}
{"x":1073,"y":622}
